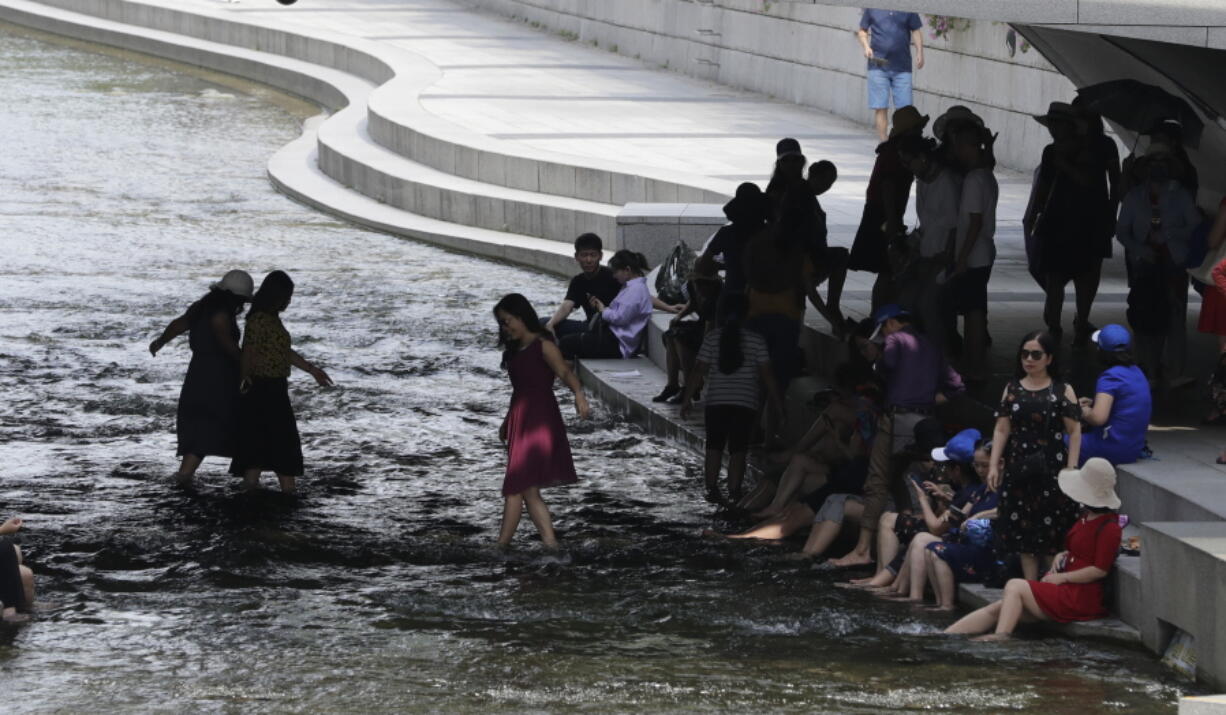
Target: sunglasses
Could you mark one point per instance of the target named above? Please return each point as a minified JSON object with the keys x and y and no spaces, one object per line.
{"x":1035,"y":355}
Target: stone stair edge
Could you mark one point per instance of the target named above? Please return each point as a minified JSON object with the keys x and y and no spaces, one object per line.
{"x":293,"y":171}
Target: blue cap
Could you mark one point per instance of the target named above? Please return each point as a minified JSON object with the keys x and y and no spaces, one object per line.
{"x":885,"y":312}
{"x":961,"y":448}
{"x":1113,"y":338}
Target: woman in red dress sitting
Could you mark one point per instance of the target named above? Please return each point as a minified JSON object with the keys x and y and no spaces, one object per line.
{"x":1073,"y":589}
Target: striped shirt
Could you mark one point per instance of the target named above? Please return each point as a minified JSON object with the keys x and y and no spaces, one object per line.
{"x":742,"y":387}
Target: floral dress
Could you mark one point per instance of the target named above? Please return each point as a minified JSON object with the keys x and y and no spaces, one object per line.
{"x":1034,"y":514}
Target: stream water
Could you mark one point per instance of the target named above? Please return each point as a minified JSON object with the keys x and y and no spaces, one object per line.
{"x":127,"y":187}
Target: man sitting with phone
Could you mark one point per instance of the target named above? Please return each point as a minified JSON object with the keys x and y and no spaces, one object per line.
{"x":593,"y":281}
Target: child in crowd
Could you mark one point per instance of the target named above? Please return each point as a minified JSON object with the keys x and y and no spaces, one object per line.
{"x":733,"y":394}
{"x":538,"y":452}
{"x":623,"y":321}
{"x":1072,"y":590}
{"x":593,"y":281}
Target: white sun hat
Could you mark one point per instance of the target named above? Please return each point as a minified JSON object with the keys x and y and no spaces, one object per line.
{"x":237,"y":282}
{"x":1092,"y":485}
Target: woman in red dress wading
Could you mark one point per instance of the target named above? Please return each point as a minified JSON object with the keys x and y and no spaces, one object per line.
{"x":1073,"y":589}
{"x":538,"y":453}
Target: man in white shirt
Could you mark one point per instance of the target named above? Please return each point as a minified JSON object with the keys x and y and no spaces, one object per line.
{"x":975,"y":249}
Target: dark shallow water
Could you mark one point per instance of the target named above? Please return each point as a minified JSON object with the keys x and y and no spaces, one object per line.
{"x":126,"y":189}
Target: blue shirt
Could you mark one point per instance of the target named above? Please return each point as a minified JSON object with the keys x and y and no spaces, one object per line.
{"x":889,"y":35}
{"x":1130,"y":410}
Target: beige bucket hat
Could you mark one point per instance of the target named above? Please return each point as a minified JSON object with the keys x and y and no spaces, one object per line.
{"x":1092,"y":485}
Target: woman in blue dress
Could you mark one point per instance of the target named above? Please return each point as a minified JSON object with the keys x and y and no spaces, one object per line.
{"x":1118,"y":416}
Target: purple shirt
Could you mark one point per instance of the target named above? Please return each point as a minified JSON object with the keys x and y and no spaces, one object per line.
{"x":628,"y":314}
{"x":915,"y":371}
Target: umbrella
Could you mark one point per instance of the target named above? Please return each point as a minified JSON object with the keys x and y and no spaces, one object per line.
{"x":1137,"y":106}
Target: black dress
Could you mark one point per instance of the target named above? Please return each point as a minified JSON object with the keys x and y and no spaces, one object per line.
{"x":1034,"y":515}
{"x":208,"y":404}
{"x":1072,"y":232}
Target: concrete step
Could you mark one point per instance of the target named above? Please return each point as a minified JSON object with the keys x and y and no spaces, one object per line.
{"x":349,"y":155}
{"x":294,"y":170}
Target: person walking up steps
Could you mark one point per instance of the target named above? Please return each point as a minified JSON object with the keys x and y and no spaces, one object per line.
{"x":208,"y":402}
{"x":267,"y":429}
{"x":538,"y":453}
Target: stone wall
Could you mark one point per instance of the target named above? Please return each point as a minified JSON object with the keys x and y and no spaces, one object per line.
{"x":807,"y":54}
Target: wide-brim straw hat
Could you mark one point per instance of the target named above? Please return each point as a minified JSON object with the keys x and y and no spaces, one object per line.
{"x":1092,"y":485}
{"x":236,"y":282}
{"x":907,"y":119}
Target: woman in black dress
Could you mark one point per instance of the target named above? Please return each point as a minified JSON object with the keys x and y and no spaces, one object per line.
{"x":208,"y":403}
{"x":267,"y":429}
{"x":1036,"y":412}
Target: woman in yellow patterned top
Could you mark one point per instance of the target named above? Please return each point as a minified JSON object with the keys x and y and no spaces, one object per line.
{"x":268,"y":431}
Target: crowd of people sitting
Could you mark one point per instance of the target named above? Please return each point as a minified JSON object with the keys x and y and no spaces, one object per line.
{"x":934,"y":501}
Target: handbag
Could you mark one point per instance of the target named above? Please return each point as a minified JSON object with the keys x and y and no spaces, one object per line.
{"x":673,"y":274}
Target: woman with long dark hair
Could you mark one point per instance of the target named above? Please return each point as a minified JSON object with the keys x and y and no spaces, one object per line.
{"x":1036,"y":411}
{"x":208,"y":403}
{"x":538,"y":452}
{"x":733,"y":395}
{"x":268,"y":431}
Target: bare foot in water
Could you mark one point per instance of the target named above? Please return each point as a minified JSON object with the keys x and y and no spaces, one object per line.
{"x":991,"y":638}
{"x":850,"y":560}
{"x":12,"y":616}
{"x":939,"y":609}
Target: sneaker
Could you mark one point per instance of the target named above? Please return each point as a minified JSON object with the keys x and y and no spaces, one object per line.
{"x":669,"y":391}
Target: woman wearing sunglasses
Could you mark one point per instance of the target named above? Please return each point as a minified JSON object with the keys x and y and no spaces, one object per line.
{"x":1036,"y":411}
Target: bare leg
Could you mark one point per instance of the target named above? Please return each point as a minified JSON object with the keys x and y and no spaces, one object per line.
{"x":860,"y":555}
{"x":1030,"y":567}
{"x":881,"y":121}
{"x":672,"y":361}
{"x":942,"y":578}
{"x":797,"y":472}
{"x":685,"y":357}
{"x":251,"y":479}
{"x":187,"y":469}
{"x":824,"y":533}
{"x":834,"y":290}
{"x":917,"y":565}
{"x":512,"y":509}
{"x":793,"y":519}
{"x":760,"y":495}
{"x":538,"y":511}
{"x":27,"y":583}
{"x":289,"y":485}
{"x":887,"y":540}
{"x":975,"y":622}
{"x":1018,"y":603}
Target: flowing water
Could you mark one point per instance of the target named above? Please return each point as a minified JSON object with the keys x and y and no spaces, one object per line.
{"x":126,"y":188}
